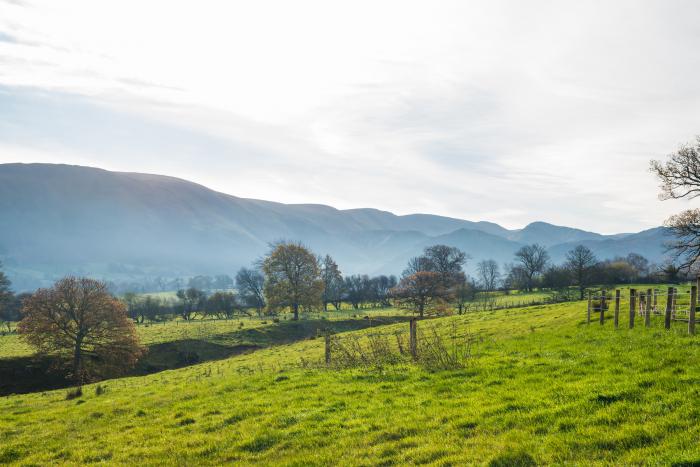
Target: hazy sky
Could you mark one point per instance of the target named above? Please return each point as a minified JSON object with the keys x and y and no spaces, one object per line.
{"x":504,"y":111}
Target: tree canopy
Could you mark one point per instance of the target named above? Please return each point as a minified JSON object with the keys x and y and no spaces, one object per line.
{"x":79,"y":322}
{"x":292,"y":278}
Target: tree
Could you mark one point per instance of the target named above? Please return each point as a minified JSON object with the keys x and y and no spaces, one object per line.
{"x":250,"y":285}
{"x":6,"y":299}
{"x":191,"y":300}
{"x":680,"y":178}
{"x":489,"y":274}
{"x":533,"y":259}
{"x":292,"y":278}
{"x":332,"y":283}
{"x":381,"y":287}
{"x":221,"y":304}
{"x":465,"y":292}
{"x":201,"y":283}
{"x":580,"y":262}
{"x":557,"y":279}
{"x":671,"y":273}
{"x":421,"y":292}
{"x":640,"y":264}
{"x":447,"y":262}
{"x":78,"y":321}
{"x":354,"y":287}
{"x":223,"y":282}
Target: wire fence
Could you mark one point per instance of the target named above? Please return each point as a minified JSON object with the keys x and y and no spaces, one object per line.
{"x":431,"y":344}
{"x":672,"y":304}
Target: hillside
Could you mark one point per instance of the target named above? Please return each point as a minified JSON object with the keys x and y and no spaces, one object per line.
{"x":59,"y":219}
{"x":539,"y":386}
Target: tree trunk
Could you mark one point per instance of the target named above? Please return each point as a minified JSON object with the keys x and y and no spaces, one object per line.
{"x":78,"y":361}
{"x":296,"y":312}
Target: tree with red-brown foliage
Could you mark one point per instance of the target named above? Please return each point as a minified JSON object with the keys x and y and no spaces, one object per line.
{"x":84,"y":326}
{"x":422,"y":292}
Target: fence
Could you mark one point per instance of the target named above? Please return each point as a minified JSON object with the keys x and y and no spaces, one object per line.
{"x":435,"y":346}
{"x":672,"y":304}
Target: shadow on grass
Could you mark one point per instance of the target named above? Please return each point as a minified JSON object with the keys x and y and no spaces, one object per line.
{"x":34,"y":374}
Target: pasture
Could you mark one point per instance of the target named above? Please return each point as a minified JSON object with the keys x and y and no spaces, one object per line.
{"x":537,"y":386}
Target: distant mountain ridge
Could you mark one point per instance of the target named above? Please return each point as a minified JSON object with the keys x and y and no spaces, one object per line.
{"x":59,"y":219}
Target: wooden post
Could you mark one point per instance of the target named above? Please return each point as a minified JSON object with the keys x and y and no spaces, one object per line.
{"x":691,"y":312}
{"x":328,"y":348}
{"x":647,"y":314}
{"x":617,"y":308}
{"x":413,"y":338}
{"x":602,"y":308}
{"x":633,"y":306}
{"x":590,"y":305}
{"x":656,"y":296}
{"x":669,"y":308}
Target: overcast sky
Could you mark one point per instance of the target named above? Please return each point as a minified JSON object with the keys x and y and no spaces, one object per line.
{"x":509,"y":111}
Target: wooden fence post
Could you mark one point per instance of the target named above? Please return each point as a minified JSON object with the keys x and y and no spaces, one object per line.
{"x":656,"y":296}
{"x":602,"y":308}
{"x":413,"y":338}
{"x":633,"y":306}
{"x":669,"y":308}
{"x":691,"y":312}
{"x":617,"y":308}
{"x":328,"y":348}
{"x":590,"y":305}
{"x":647,"y":313}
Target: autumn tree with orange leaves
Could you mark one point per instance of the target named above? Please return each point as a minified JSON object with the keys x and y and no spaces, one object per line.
{"x":84,"y":326}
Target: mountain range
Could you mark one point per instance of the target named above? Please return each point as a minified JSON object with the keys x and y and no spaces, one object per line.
{"x":60,"y":219}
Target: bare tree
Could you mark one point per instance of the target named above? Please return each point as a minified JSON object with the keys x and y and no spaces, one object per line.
{"x":81,"y":323}
{"x":192,"y":301}
{"x":332,"y":282}
{"x":6,"y":297}
{"x":680,"y":178}
{"x":533,"y":259}
{"x":250,"y":285}
{"x":489,"y":274}
{"x":581,"y":262}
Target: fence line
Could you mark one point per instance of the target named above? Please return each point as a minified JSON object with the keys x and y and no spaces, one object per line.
{"x":672,"y":304}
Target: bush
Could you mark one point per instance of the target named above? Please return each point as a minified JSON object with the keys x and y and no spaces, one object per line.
{"x":74,"y":393}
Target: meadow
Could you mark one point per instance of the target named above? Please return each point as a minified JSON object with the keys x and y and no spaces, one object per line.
{"x":538,"y":386}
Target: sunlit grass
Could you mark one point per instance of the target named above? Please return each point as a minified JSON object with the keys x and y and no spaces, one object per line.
{"x":540,"y":385}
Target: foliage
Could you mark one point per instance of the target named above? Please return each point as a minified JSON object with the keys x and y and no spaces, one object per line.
{"x":423,"y":292}
{"x":81,"y":323}
{"x":292,"y":278}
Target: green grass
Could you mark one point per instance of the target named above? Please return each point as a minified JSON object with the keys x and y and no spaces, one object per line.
{"x":540,"y":386}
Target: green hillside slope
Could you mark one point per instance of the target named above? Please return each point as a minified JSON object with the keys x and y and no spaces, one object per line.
{"x":538,"y":386}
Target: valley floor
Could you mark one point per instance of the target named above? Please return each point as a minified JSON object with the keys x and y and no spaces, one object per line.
{"x":538,"y":386}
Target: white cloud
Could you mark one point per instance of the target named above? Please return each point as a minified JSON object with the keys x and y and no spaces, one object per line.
{"x":505,"y":111}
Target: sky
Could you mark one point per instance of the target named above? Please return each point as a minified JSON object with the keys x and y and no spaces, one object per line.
{"x":505,"y":111}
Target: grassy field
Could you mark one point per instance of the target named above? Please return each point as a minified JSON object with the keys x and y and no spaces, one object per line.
{"x":538,"y":386}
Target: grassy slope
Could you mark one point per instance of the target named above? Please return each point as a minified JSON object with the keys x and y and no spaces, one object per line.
{"x":539,"y":382}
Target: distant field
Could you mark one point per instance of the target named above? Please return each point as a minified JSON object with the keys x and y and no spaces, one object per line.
{"x":539,"y":386}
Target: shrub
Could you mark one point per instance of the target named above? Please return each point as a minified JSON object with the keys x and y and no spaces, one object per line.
{"x":74,"y":393}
